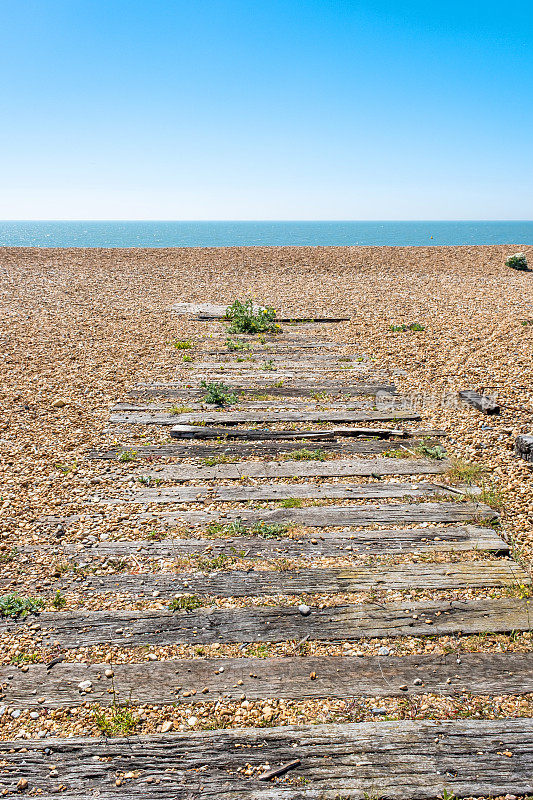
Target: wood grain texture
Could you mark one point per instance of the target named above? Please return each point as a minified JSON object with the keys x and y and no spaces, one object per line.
{"x":294,"y":389}
{"x":333,"y":516}
{"x":264,"y":583}
{"x":262,"y":678}
{"x":251,"y":418}
{"x":392,"y":540}
{"x":480,"y":401}
{"x":278,"y":491}
{"x":278,"y":624}
{"x":397,"y":760}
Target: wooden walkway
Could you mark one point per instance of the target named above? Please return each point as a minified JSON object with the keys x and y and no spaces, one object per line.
{"x":317,"y":485}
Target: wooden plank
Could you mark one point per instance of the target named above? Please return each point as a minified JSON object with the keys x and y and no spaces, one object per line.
{"x":397,"y":760}
{"x":250,"y":417}
{"x":190,"y":449}
{"x":208,"y":312}
{"x":279,"y":491}
{"x":276,"y":624}
{"x":336,"y":516}
{"x":262,"y":583}
{"x":287,"y":678}
{"x":391,"y":540}
{"x":480,"y":401}
{"x":292,"y":390}
{"x":199,"y":432}
{"x":523,"y":447}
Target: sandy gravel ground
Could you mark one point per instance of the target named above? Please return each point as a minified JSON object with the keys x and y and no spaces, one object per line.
{"x":80,"y":327}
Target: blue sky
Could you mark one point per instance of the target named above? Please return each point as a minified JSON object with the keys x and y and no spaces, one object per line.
{"x":265,"y":109}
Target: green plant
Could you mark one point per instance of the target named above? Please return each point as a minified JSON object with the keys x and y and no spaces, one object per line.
{"x":412,"y":326}
{"x":59,"y":600}
{"x":218,"y":394}
{"x":127,"y":455}
{"x":235,"y":344}
{"x":527,"y":322}
{"x":394,"y":453}
{"x":268,"y":365}
{"x":117,"y":720}
{"x":180,"y":410}
{"x":12,"y":605}
{"x":210,"y":563}
{"x":186,"y":602}
{"x":245,"y":318}
{"x":8,"y":555}
{"x":436,"y":451}
{"x":25,"y":658}
{"x":182,"y":345}
{"x":270,"y":530}
{"x":66,"y":468}
{"x":292,"y":502}
{"x":307,"y":455}
{"x":187,"y":358}
{"x":517,"y":261}
{"x":212,"y":461}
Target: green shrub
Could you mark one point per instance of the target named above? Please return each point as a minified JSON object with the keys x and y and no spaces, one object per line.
{"x":233,"y":345}
{"x":245,"y":319}
{"x":517,"y":261}
{"x":182,"y":345}
{"x":11,"y":605}
{"x":413,"y":326}
{"x":218,"y":394}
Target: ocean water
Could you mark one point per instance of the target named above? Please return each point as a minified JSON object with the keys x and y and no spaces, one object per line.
{"x":233,"y":234}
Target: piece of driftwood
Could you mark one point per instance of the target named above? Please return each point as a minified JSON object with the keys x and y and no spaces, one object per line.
{"x":291,"y":390}
{"x":199,"y":432}
{"x":336,"y":516}
{"x":167,"y":682}
{"x":419,"y":760}
{"x":388,"y":540}
{"x":480,"y":401}
{"x":277,"y":624}
{"x":255,"y":583}
{"x":250,"y":417}
{"x":279,"y":491}
{"x":523,"y":446}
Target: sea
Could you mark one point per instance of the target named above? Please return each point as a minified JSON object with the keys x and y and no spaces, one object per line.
{"x":261,"y":234}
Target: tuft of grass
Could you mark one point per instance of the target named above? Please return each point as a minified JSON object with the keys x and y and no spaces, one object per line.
{"x":117,"y":720}
{"x":394,"y":453}
{"x":25,"y":658}
{"x":412,"y":326}
{"x":307,"y":455}
{"x":127,"y":455}
{"x":268,"y":365}
{"x":180,"y":410}
{"x":59,"y":600}
{"x":187,"y":358}
{"x":237,"y":528}
{"x":527,"y":322}
{"x":186,"y":602}
{"x":245,"y":319}
{"x":186,"y":345}
{"x":212,"y":461}
{"x":292,"y":502}
{"x":12,"y":605}
{"x":211,"y":563}
{"x":218,"y":394}
{"x":465,"y":471}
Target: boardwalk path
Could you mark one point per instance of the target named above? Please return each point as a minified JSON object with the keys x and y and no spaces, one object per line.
{"x":314,"y":501}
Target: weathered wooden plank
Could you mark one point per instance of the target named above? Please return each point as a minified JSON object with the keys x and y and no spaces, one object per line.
{"x":418,"y":760}
{"x":280,"y":491}
{"x":523,"y":447}
{"x":255,"y":583}
{"x":294,"y":389}
{"x":278,"y":624}
{"x":199,"y":432}
{"x":261,"y":416}
{"x":392,"y":540}
{"x":332,"y":516}
{"x":287,"y":678}
{"x":480,"y":401}
{"x":208,"y":312}
{"x":190,"y":449}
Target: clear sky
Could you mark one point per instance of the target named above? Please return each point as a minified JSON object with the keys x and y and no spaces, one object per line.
{"x":266,"y":109}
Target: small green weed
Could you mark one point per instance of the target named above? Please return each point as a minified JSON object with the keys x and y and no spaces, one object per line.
{"x":268,"y":365}
{"x":188,"y":359}
{"x":182,"y":345}
{"x":8,"y":555}
{"x":59,"y":600}
{"x":25,"y":658}
{"x":245,"y":319}
{"x":412,"y":326}
{"x":175,"y":410}
{"x":117,"y":720}
{"x":436,"y":452}
{"x":218,"y":394}
{"x":235,"y":344}
{"x":12,"y":605}
{"x":212,"y":461}
{"x":307,"y":455}
{"x":127,"y":455}
{"x":292,"y":502}
{"x":211,"y":563}
{"x":464,"y":470}
{"x":186,"y":602}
